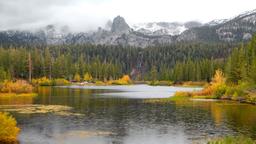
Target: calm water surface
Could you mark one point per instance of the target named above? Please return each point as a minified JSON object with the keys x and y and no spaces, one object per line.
{"x":120,"y":115}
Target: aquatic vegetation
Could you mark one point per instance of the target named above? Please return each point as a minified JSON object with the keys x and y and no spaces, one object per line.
{"x":83,"y":134}
{"x":166,"y":100}
{"x":40,"y":109}
{"x":8,"y":129}
{"x":233,"y":140}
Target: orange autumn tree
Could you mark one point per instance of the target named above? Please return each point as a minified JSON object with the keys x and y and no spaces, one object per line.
{"x":218,"y":83}
{"x":125,"y":80}
{"x":218,"y":78}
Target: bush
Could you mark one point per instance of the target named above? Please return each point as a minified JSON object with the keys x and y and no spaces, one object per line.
{"x":251,"y":98}
{"x":60,"y":82}
{"x":160,"y":83}
{"x":182,"y":94}
{"x":88,"y":77}
{"x":192,"y":83}
{"x":219,"y":91}
{"x":47,"y":82}
{"x":8,"y":129}
{"x":77,"y":78}
{"x":99,"y":82}
{"x":229,"y":92}
{"x":125,"y":80}
{"x":216,"y":89}
{"x":20,"y":86}
{"x":44,"y":81}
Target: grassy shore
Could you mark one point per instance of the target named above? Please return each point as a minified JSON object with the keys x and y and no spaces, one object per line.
{"x":19,"y":88}
{"x":220,"y":89}
{"x":232,"y":140}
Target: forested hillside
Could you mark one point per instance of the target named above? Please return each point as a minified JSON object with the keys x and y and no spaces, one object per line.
{"x":171,"y":62}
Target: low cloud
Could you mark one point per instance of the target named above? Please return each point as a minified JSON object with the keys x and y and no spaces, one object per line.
{"x":84,"y":15}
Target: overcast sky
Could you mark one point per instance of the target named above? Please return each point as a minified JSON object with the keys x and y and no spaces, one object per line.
{"x":83,"y":15}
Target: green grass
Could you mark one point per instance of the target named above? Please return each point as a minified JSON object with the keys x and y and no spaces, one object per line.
{"x":233,"y":140}
{"x":205,"y":97}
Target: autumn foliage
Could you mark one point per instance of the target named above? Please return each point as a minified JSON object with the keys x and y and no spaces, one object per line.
{"x":218,"y":83}
{"x":44,"y":81}
{"x":8,"y":129}
{"x":125,"y":80}
{"x":18,"y":87}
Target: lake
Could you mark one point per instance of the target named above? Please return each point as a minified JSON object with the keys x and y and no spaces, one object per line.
{"x":122,"y":115}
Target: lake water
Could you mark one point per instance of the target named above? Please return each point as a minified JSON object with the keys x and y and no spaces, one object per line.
{"x":122,"y":115}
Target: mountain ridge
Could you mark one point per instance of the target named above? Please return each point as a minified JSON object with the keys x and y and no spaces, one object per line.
{"x":238,"y":29}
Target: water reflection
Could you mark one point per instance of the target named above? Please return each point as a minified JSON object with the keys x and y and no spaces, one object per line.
{"x":16,"y":100}
{"x":131,"y":121}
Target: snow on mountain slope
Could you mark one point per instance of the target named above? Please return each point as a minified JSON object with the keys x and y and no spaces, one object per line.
{"x":216,"y":22}
{"x":160,"y":28}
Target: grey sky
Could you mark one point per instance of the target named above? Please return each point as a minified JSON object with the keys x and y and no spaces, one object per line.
{"x":83,"y":15}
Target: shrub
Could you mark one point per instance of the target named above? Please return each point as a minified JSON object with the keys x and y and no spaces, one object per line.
{"x":99,"y":82}
{"x":160,"y":83}
{"x":251,"y":98}
{"x":154,"y":83}
{"x":88,"y":77}
{"x":44,"y":81}
{"x":182,"y":94}
{"x":8,"y":129}
{"x":60,"y":82}
{"x":219,"y":90}
{"x":125,"y":80}
{"x":47,"y":82}
{"x":20,"y":86}
{"x":77,"y":77}
{"x":192,"y":83}
{"x":229,"y":92}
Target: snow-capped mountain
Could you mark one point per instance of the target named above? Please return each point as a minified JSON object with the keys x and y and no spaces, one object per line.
{"x":164,"y":28}
{"x":160,"y":28}
{"x":216,"y":22}
{"x":237,"y":29}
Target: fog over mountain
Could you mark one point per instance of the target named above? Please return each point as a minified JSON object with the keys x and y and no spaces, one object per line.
{"x":88,"y":15}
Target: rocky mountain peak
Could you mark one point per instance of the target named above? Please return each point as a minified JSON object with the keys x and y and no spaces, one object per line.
{"x":119,"y":25}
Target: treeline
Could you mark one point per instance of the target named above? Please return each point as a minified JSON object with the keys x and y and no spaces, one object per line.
{"x":241,"y":65}
{"x":177,"y":62}
{"x":14,"y":63}
{"x":197,"y":70}
{"x":237,"y":82}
